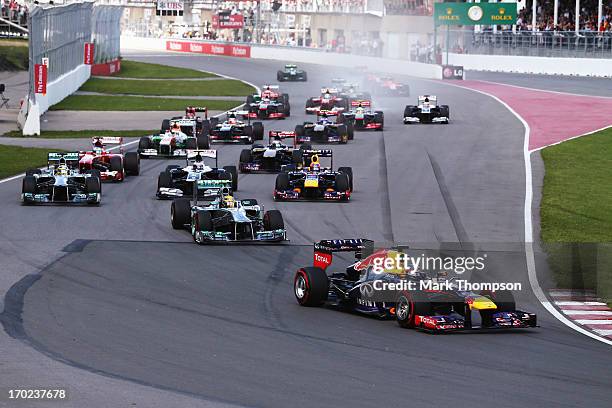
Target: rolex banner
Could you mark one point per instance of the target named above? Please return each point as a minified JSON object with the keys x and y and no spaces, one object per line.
{"x":475,"y":13}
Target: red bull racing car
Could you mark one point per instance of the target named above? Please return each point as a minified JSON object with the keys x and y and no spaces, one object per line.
{"x":392,"y":292}
{"x":109,"y":166}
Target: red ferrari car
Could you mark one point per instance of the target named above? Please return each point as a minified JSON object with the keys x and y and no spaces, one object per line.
{"x":111,"y":166}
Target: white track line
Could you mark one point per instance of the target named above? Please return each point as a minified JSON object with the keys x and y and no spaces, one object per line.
{"x":529,"y":252}
{"x":594,"y":322}
{"x":574,"y":303}
{"x":588,"y":312}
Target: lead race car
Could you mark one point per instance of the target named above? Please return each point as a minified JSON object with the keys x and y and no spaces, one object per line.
{"x":226,"y":219}
{"x":427,"y":111}
{"x":324,"y":130}
{"x":290,"y":72}
{"x":274,"y":157}
{"x":111,"y":166}
{"x":61,"y":182}
{"x":314,"y":181}
{"x":207,"y":178}
{"x":361,"y":116}
{"x":233,"y":130}
{"x":433,"y":310}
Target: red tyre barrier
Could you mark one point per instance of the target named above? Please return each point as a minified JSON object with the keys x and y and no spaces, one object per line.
{"x":106,"y":69}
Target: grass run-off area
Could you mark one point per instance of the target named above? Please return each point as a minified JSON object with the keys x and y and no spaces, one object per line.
{"x":576,"y":212}
{"x":13,"y":55}
{"x":134,"y":69}
{"x":136,"y":103}
{"x":16,"y":159}
{"x":83,"y":134}
{"x":222,"y":87}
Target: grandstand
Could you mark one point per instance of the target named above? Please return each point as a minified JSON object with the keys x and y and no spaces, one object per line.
{"x":13,"y":18}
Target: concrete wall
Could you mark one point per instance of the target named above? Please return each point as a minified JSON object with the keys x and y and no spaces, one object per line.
{"x":534,"y":65}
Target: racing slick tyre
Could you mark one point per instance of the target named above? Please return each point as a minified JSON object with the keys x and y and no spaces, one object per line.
{"x":213,"y":122}
{"x":310,"y":286}
{"x":31,"y":172}
{"x":349,"y":172}
{"x":96,"y":173}
{"x":281,"y":183}
{"x":379,"y":117}
{"x":164,"y":180}
{"x":191,"y":144}
{"x":305,"y":77}
{"x":115,"y":163}
{"x":309,"y":104}
{"x":350,"y":130}
{"x":250,"y":99}
{"x":504,"y":300}
{"x":258,"y":131}
{"x":144,"y":143}
{"x":409,"y":305}
{"x":287,"y":109}
{"x":202,"y":141}
{"x":180,"y":213}
{"x":273,"y":220}
{"x":28,"y":185}
{"x":445,"y":111}
{"x":248,"y":132}
{"x":92,"y":185}
{"x":343,"y":132}
{"x":305,"y":146}
{"x":245,"y":157}
{"x":409,"y":110}
{"x":299,"y":132}
{"x":279,"y":76}
{"x":285,"y":98}
{"x":202,"y":221}
{"x":232,"y":170}
{"x":342,"y":182}
{"x":297,"y":156}
{"x":131,"y":163}
{"x":165,"y":125}
{"x":171,"y":167}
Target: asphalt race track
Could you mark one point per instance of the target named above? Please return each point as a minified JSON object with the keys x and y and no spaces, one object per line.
{"x":127,"y":297}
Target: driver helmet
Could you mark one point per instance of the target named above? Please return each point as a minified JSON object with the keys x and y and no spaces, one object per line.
{"x":175,"y":127}
{"x":229,"y":201}
{"x":62,"y":168}
{"x":190,"y":112}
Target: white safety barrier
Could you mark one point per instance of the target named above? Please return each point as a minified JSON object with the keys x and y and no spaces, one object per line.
{"x":295,"y":54}
{"x":597,"y":67}
{"x":57,"y":90}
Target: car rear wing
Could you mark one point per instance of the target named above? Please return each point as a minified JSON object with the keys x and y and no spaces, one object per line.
{"x":324,"y":249}
{"x":280,"y":134}
{"x":362,"y":102}
{"x":329,"y":90}
{"x":194,"y":109}
{"x":431,"y":98}
{"x":103,"y":141}
{"x":192,"y":154}
{"x":326,"y":113}
{"x":71,"y":158}
{"x":266,"y":87}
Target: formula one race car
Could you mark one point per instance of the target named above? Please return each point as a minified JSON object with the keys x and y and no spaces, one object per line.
{"x":386,"y":86}
{"x":361,"y":117}
{"x":414,"y":299}
{"x":208,"y":178}
{"x":61,"y":182}
{"x":314,"y":181}
{"x":233,"y":130}
{"x":274,"y":157}
{"x":226,"y":219}
{"x":427,"y":111}
{"x":269,"y":104}
{"x":111,"y":166}
{"x":268,"y":92}
{"x":324,"y":131}
{"x":291,"y":73}
{"x":190,"y":124}
{"x":350,"y":90}
{"x":330,"y":102}
{"x":172,"y":144}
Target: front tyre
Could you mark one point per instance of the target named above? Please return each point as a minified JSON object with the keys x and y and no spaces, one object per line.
{"x":180,"y":213}
{"x":310,"y":286}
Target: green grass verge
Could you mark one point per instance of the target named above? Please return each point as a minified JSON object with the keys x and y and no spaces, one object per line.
{"x":222,"y":87}
{"x":16,"y":159}
{"x":576,"y":212}
{"x":133,"y":69}
{"x":83,"y":134}
{"x":135,"y":103}
{"x":13,"y":57}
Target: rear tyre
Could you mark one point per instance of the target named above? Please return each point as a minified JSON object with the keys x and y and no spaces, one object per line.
{"x":310,"y":286}
{"x":31,"y":172}
{"x":409,"y":110}
{"x":180,"y":213}
{"x":191,"y":144}
{"x":165,"y":125}
{"x":285,"y":97}
{"x":349,"y":172}
{"x":245,"y":157}
{"x":202,"y":141}
{"x":305,"y":77}
{"x":350,"y":130}
{"x":248,"y":132}
{"x":250,"y":99}
{"x":343,"y":133}
{"x":282,"y":182}
{"x":115,"y":163}
{"x":144,"y":143}
{"x":273,"y":220}
{"x":232,"y":170}
{"x":279,"y":76}
{"x":131,"y":164}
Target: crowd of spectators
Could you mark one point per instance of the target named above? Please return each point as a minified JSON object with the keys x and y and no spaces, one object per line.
{"x":409,"y":7}
{"x":14,"y":11}
{"x":316,"y":6}
{"x":566,"y":16}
